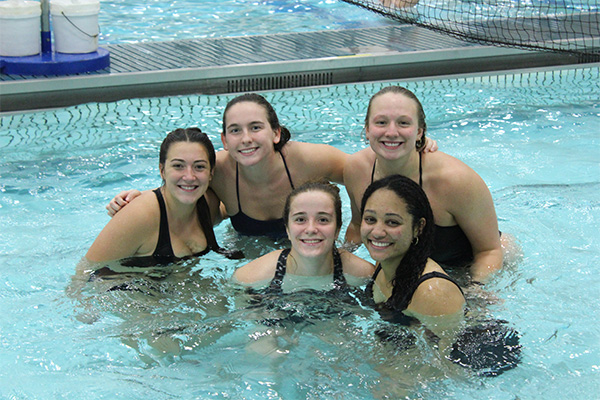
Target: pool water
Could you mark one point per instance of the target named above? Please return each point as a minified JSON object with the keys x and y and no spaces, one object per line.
{"x":132,"y":21}
{"x":532,"y":136}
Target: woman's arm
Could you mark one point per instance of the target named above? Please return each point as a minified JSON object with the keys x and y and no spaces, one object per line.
{"x":321,"y":161}
{"x":357,"y":174}
{"x":356,"y":266}
{"x":129,"y":232}
{"x":261,"y":269}
{"x":217,"y":210}
{"x":473,"y":209}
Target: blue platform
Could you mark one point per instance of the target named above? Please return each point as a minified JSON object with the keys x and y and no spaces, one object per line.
{"x":53,"y":63}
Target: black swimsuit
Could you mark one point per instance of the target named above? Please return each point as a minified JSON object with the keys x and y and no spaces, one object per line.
{"x":339,"y":280}
{"x":450,"y":244}
{"x":246,"y":225}
{"x":163,"y":253}
{"x":306,"y":306}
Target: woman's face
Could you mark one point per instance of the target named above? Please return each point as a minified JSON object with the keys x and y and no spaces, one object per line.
{"x":311,"y":224}
{"x":393,"y":126}
{"x":386,"y":228}
{"x":186,"y":171}
{"x":248,"y":136}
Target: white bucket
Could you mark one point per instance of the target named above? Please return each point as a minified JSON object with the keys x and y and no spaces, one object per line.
{"x":75,"y":25}
{"x":20,"y":28}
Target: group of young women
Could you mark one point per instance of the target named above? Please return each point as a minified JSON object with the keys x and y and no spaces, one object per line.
{"x":413,"y":208}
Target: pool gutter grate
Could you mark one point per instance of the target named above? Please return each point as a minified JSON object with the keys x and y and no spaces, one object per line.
{"x":279,"y":82}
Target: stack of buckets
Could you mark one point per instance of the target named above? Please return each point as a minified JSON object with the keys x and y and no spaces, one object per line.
{"x":74,"y":23}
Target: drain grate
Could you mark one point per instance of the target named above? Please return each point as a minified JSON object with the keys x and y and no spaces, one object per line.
{"x":279,"y":82}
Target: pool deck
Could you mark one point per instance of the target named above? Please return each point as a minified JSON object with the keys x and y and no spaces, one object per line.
{"x":268,"y":62}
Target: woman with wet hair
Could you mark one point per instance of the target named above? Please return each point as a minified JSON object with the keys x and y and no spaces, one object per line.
{"x":172,"y":221}
{"x":397,"y":230}
{"x":313,"y":217}
{"x":466,"y":226}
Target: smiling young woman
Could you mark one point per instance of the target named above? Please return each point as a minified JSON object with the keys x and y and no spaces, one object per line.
{"x":397,"y":230}
{"x":466,"y":226}
{"x":312,"y":215}
{"x":172,"y":221}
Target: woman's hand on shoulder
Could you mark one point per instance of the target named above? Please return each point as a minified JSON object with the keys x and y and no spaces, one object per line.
{"x":431,"y":145}
{"x":121,"y":200}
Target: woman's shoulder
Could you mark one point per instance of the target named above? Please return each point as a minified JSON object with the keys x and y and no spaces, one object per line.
{"x":441,"y":162}
{"x":356,"y":266}
{"x":145,"y":205}
{"x":436,"y":295}
{"x":366,"y":155}
{"x":443,"y":172}
{"x":310,"y":161}
{"x":258,"y":270}
{"x":359,"y":167}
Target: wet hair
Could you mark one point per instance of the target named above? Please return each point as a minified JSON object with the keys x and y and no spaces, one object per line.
{"x":413,"y":263}
{"x":271,"y":116}
{"x":192,"y":135}
{"x":420,"y":112}
{"x":316,"y":186}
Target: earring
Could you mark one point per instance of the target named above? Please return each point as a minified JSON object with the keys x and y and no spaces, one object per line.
{"x":415,"y":241}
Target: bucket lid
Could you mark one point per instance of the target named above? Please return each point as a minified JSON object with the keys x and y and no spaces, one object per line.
{"x":75,"y":7}
{"x":17,"y":9}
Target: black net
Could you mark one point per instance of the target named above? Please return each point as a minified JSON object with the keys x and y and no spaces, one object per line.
{"x":570,"y":26}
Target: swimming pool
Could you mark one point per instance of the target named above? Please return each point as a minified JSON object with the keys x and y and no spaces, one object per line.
{"x":532,"y":136}
{"x":132,"y":21}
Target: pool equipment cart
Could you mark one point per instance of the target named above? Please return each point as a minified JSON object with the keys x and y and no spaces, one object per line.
{"x":26,"y":44}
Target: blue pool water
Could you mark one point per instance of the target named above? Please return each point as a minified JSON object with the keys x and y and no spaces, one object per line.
{"x":133,"y":21}
{"x":533,"y":137}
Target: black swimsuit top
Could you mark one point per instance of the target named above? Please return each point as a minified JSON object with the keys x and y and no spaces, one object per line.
{"x":391,"y":315}
{"x":450,"y":244}
{"x":246,"y":225}
{"x":339,"y":280}
{"x":163,"y":253}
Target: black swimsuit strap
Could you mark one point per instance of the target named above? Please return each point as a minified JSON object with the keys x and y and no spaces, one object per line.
{"x":339,"y":280}
{"x":237,"y":187}
{"x":436,"y":274}
{"x":237,"y":180}
{"x":205,"y":220}
{"x":163,"y":245}
{"x":429,"y":275}
{"x":369,"y":287}
{"x":373,"y":171}
{"x":287,"y":170}
{"x":277,"y":280}
{"x":420,"y":171}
